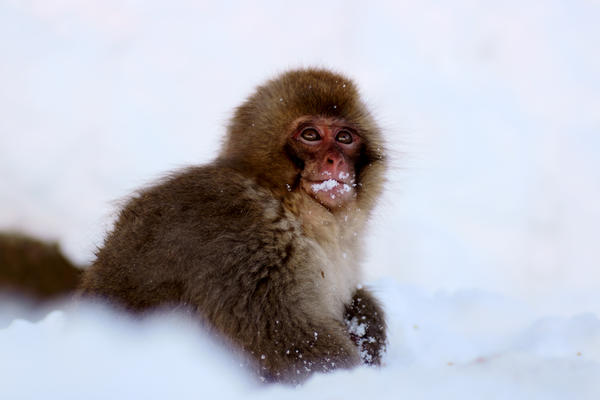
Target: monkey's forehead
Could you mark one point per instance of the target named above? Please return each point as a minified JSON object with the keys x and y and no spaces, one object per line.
{"x":320,"y":119}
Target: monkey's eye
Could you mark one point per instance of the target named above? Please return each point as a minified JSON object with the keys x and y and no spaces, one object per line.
{"x":344,"y":137}
{"x":310,"y":134}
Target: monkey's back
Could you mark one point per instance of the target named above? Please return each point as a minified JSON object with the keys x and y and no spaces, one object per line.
{"x":174,"y":241}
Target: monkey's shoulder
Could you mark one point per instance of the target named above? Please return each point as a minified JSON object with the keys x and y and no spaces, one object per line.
{"x":205,"y":192}
{"x":193,"y":226}
{"x":205,"y":208}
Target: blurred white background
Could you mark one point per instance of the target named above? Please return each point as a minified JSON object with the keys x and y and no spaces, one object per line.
{"x":491,"y":111}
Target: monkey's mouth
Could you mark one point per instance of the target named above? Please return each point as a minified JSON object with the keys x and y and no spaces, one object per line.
{"x":329,"y":185}
{"x":330,"y":193}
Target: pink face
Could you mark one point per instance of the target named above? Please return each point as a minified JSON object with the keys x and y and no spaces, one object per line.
{"x":329,"y":148}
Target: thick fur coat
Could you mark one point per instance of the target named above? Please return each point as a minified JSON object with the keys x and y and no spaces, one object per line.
{"x":261,"y":262}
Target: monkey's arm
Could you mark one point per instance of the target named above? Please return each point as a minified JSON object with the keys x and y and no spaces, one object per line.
{"x":274,"y":311}
{"x":366,"y":325}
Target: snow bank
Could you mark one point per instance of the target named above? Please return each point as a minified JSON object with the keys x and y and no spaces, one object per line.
{"x":468,"y":344}
{"x":92,"y":353}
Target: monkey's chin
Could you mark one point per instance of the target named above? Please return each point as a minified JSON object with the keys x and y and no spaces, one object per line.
{"x":331,"y":194}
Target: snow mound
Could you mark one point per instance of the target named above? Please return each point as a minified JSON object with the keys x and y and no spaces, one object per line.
{"x":468,"y":344}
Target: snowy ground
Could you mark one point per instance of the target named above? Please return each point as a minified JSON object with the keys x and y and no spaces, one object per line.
{"x":465,"y":345}
{"x":484,"y":248}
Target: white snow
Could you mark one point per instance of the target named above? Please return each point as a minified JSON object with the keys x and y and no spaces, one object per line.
{"x":325,"y":185}
{"x":329,"y":184}
{"x":467,"y":345}
{"x":484,"y":249}
{"x":357,"y":328}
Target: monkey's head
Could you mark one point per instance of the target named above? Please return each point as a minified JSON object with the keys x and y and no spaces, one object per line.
{"x":308,"y":130}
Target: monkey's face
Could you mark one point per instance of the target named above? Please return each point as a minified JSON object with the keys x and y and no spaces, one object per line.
{"x":329,"y":149}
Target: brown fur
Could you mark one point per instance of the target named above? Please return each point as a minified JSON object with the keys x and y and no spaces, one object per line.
{"x":266,"y":265}
{"x":35,"y":269}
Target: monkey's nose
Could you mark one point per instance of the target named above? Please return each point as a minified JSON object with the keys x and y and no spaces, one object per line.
{"x":336,"y":166}
{"x":333,"y":167}
{"x":334,"y":159}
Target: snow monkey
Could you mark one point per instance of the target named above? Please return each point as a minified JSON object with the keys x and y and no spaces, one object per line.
{"x":264,"y":243}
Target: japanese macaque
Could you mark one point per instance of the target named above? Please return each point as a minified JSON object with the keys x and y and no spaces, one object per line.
{"x":264,"y":243}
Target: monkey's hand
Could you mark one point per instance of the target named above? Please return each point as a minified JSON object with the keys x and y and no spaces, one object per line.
{"x":366,"y":326}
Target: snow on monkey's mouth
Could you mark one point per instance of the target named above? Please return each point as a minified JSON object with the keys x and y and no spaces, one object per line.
{"x":329,"y":192}
{"x":329,"y":185}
